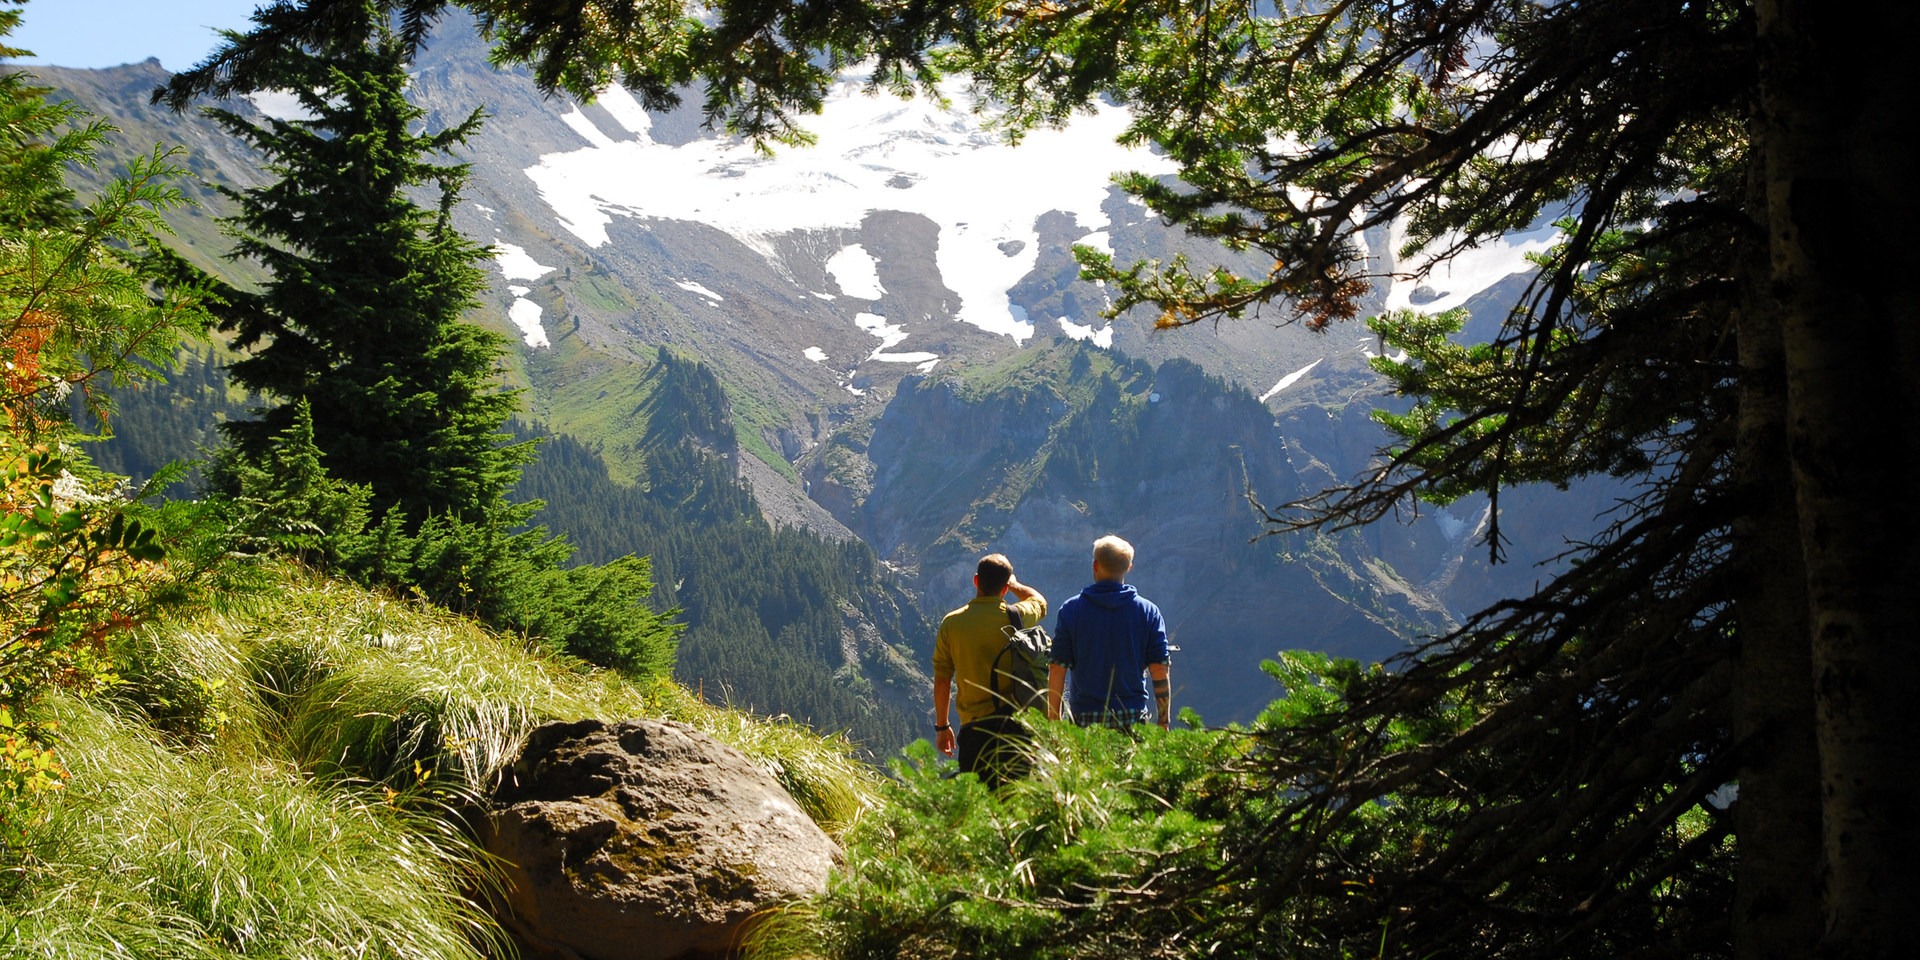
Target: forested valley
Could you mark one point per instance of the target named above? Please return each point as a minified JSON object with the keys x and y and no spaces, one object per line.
{"x":763,"y":611}
{"x":251,"y":709}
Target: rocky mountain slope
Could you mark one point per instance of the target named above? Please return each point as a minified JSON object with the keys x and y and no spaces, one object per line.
{"x":907,"y":356}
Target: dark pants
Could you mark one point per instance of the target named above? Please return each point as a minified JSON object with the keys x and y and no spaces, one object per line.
{"x":993,"y":749}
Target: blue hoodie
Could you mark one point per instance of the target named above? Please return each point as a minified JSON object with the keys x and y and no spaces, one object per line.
{"x":1105,"y":637}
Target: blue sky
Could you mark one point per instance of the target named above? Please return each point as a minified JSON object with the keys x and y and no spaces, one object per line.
{"x":105,"y":33}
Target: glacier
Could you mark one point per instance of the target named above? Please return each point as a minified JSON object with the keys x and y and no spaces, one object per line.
{"x":873,"y":152}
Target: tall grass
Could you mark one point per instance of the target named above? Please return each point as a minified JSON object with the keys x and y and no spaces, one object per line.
{"x":155,"y":853}
{"x":275,"y":778}
{"x":364,"y":686}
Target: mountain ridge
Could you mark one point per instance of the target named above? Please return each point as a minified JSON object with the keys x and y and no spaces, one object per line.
{"x":845,"y":366}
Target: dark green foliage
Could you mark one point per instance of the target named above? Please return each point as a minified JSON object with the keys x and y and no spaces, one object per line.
{"x":286,"y":501}
{"x":761,"y":62}
{"x":358,"y":337}
{"x":496,"y":570}
{"x":1084,"y":858}
{"x":362,"y":316}
{"x":1199,"y":843}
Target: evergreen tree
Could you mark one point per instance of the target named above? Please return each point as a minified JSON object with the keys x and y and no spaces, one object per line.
{"x":361,"y":319}
{"x":760,"y":61}
{"x":1722,"y":675}
{"x":386,"y":460}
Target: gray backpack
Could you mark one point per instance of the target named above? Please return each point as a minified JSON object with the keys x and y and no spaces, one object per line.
{"x":1020,"y":668}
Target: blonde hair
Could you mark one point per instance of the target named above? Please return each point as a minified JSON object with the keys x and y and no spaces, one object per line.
{"x":1112,"y":556}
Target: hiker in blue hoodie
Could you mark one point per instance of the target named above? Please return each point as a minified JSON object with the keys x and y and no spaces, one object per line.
{"x":1110,"y":641}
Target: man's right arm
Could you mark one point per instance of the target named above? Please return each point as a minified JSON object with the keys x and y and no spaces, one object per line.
{"x":1158,"y":656}
{"x":1061,"y":657}
{"x":1023,"y":593}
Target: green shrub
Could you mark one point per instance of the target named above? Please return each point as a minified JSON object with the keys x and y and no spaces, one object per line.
{"x":1076,"y":860}
{"x":284,"y":502}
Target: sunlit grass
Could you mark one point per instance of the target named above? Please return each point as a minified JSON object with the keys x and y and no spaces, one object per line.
{"x":152,"y":852}
{"x":361,"y":685}
{"x":277,"y":777}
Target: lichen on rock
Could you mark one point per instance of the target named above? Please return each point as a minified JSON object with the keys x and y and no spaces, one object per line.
{"x":644,"y":839}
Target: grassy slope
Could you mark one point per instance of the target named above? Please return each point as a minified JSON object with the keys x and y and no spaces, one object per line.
{"x":266,"y":781}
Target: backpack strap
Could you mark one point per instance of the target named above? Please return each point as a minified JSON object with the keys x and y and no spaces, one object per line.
{"x":993,"y":670}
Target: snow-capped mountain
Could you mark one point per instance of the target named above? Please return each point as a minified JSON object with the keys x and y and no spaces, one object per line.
{"x":911,"y":359}
{"x":910,"y":235}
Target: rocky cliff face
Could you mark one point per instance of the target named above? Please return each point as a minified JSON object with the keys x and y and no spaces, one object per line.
{"x":1038,"y":457}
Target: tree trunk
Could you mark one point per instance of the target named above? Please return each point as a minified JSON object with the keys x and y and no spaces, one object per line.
{"x":1835,"y":93}
{"x":1775,"y":917}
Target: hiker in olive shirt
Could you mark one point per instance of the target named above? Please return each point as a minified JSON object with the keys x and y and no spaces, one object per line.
{"x":963,"y":650}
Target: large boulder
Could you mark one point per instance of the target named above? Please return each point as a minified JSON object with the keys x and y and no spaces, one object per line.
{"x":644,"y":839}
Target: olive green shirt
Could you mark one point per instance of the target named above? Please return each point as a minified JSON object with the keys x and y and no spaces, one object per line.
{"x":969,"y":639}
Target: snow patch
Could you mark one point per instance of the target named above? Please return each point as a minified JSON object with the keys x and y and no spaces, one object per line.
{"x":815,"y":354}
{"x":279,"y":104}
{"x":625,"y":110}
{"x":1100,"y":240}
{"x":693,"y":287}
{"x":518,"y":290}
{"x":1290,"y":379}
{"x":1102,"y":338}
{"x":928,"y":366}
{"x":525,"y":314}
{"x":878,"y":326}
{"x":856,"y":273}
{"x":1467,"y":273}
{"x":984,"y":195}
{"x":578,"y":122}
{"x":890,"y":334}
{"x":1366,"y":350}
{"x":516,"y":264}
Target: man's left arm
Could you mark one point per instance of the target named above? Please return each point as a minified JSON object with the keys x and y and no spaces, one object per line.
{"x":943,"y":738}
{"x":1162,"y":694}
{"x":942,"y":726}
{"x":1159,"y":657}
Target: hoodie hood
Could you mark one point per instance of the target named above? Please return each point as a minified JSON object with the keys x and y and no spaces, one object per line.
{"x":1108,"y":594}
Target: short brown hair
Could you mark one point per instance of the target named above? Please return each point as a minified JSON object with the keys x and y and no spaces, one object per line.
{"x":994,"y":573}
